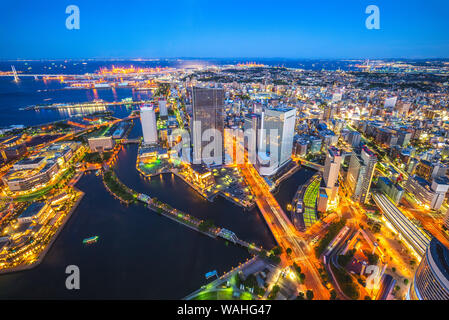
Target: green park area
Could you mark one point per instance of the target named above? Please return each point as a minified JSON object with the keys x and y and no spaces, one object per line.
{"x":232,"y":290}
{"x":96,"y":157}
{"x":206,"y":226}
{"x":346,"y":283}
{"x":117,"y":188}
{"x":223,"y":294}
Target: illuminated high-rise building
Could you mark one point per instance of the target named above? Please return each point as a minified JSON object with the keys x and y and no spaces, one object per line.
{"x":148,"y":121}
{"x":360,"y":174}
{"x":208,"y":113}
{"x":277,"y":140}
{"x":331,"y":171}
{"x":282,"y":120}
{"x":431,"y":280}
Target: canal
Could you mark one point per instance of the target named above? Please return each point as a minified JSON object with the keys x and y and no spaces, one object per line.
{"x":286,"y":191}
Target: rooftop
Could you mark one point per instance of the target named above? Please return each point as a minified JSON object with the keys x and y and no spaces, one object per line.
{"x":442,"y":180}
{"x":30,"y":161}
{"x":32,"y":209}
{"x":389,"y":183}
{"x":199,"y":168}
{"x":368,"y":151}
{"x":423,"y":182}
{"x":440,"y":255}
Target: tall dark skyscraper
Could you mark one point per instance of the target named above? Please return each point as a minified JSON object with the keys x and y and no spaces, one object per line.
{"x":360,"y":174}
{"x":208,"y":109}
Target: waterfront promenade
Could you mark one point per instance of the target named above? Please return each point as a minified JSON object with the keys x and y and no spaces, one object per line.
{"x":43,"y":253}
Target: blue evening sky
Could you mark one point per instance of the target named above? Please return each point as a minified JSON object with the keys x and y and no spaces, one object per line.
{"x":35,"y":29}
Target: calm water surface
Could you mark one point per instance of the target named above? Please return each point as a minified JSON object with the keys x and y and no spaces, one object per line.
{"x":139,"y":254}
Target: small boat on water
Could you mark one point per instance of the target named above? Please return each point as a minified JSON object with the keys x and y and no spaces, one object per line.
{"x":90,"y":240}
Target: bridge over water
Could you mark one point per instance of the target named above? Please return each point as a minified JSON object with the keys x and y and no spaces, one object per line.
{"x":130,"y":141}
{"x":194,"y":223}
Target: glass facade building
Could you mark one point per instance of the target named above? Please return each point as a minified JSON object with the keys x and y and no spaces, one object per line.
{"x":360,"y":174}
{"x":283,"y":121}
{"x":208,"y":113}
{"x":431,"y":281}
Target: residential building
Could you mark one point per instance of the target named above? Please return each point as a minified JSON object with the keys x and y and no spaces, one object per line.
{"x":354,"y":138}
{"x":360,"y":174}
{"x":331,"y":171}
{"x":427,"y":194}
{"x":390,"y":189}
{"x":163,"y":113}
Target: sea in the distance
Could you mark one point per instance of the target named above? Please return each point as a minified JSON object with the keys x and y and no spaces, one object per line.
{"x":29,"y":91}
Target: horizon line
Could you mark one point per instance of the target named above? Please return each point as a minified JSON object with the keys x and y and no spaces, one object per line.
{"x":217,"y":58}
